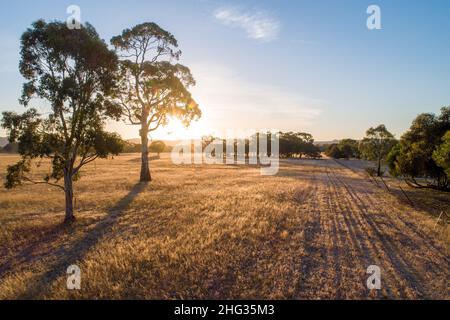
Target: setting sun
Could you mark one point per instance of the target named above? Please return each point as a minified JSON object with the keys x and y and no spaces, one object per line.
{"x":175,"y":130}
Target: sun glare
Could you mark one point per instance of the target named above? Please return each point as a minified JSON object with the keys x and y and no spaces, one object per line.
{"x":175,"y":130}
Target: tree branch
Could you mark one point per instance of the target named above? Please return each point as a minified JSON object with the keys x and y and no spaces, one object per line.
{"x":43,"y":182}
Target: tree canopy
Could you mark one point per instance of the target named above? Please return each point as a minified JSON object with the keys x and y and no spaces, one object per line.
{"x":346,"y":148}
{"x":157,"y":146}
{"x":297,"y":144}
{"x":151,"y":88}
{"x":423,"y":151}
{"x":75,"y":72}
{"x":442,"y":154}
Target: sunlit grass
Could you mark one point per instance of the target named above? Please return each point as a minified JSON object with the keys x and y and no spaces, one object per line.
{"x":200,"y":232}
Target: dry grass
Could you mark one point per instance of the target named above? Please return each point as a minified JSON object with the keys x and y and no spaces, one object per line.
{"x":219,"y":232}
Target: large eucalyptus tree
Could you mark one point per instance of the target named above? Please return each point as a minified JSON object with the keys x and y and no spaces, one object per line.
{"x":152,"y":89}
{"x":75,"y":72}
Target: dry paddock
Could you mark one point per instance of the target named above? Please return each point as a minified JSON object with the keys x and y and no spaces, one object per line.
{"x":225,"y":232}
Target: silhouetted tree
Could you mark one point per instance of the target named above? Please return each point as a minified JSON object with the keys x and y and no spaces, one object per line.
{"x":152,"y":89}
{"x":74,"y":71}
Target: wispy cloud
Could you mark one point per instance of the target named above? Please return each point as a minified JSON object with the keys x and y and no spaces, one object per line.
{"x":257,"y":25}
{"x":232,"y":102}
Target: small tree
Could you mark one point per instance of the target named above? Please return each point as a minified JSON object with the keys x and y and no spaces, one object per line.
{"x":157,"y":146}
{"x":152,"y":89}
{"x":74,"y":71}
{"x":376,"y":145}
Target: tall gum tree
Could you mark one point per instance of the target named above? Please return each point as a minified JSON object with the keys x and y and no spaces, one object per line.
{"x":151,"y":88}
{"x":75,"y":72}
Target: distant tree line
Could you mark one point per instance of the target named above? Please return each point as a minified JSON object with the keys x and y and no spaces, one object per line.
{"x":291,"y":145}
{"x":155,"y":147}
{"x":298,"y":145}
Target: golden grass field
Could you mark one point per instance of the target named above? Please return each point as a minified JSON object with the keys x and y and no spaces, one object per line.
{"x":222,"y":232}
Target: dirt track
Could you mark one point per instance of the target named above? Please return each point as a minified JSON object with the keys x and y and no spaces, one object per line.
{"x":355,"y":224}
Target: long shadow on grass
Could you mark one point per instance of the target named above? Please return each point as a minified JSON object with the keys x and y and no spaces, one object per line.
{"x":66,"y":257}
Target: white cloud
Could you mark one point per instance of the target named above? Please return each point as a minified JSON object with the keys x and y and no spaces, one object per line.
{"x":258,"y":25}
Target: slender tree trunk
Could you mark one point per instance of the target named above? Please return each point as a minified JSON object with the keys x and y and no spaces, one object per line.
{"x":379,"y":166}
{"x":145,"y":164}
{"x":68,"y":189}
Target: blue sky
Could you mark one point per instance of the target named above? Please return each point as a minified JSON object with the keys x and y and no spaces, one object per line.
{"x":293,"y":65}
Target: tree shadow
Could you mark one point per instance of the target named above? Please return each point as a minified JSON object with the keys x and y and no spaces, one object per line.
{"x":78,"y":250}
{"x":430,"y":201}
{"x":46,"y":234}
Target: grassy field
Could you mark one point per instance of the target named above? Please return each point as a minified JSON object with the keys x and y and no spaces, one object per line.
{"x":223,"y":232}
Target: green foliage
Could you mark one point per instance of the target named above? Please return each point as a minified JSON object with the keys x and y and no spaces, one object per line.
{"x":150,"y":33}
{"x":157,"y":147}
{"x":75,"y":72}
{"x":423,"y":152}
{"x":346,"y":148}
{"x":298,"y":144}
{"x":349,"y":148}
{"x":333,"y":151}
{"x":16,"y":172}
{"x":152,"y":89}
{"x":130,"y":147}
{"x":442,"y":154}
{"x":376,"y":145}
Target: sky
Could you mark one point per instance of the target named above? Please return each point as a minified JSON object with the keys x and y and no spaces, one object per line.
{"x":311,"y":66}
